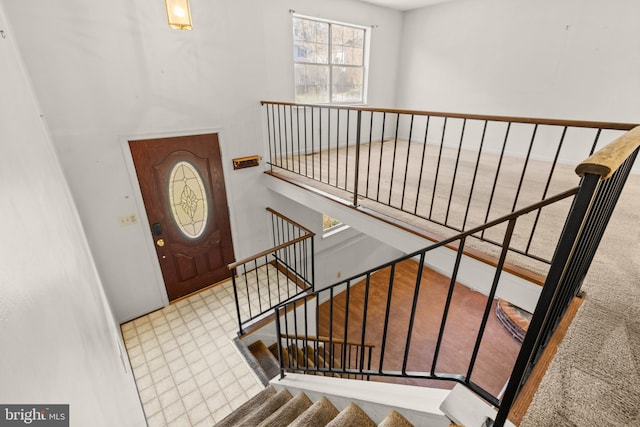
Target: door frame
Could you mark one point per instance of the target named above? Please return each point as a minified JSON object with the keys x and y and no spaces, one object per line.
{"x":141,"y":211}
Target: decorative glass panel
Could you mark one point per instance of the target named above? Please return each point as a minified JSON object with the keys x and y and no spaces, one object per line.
{"x":188,"y":199}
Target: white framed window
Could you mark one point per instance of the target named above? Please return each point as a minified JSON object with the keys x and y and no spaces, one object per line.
{"x":332,"y":226}
{"x":330,"y":61}
{"x":329,"y":222}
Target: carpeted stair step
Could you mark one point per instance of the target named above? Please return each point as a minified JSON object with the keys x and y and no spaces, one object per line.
{"x":265,"y":358}
{"x":318,"y":415}
{"x":351,"y":416}
{"x":395,"y":419}
{"x":288,"y":412}
{"x":266,"y":409}
{"x":247,"y":408}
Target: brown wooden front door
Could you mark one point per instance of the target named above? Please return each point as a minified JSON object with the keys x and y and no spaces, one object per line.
{"x":184,"y":195}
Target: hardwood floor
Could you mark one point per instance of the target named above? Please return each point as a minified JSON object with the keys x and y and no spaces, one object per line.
{"x":497,"y":352}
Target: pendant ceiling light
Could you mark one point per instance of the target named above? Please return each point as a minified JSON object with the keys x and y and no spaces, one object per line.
{"x":178,"y":14}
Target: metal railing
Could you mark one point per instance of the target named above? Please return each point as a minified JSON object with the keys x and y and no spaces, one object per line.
{"x":350,"y":322}
{"x":275,"y":275}
{"x":593,"y":202}
{"x":592,"y":208}
{"x":324,"y":355}
{"x":457,"y":171}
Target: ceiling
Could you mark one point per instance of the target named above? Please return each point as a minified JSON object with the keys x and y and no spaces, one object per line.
{"x":404,"y":4}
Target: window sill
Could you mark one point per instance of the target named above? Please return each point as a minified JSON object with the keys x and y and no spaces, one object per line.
{"x":335,"y":230}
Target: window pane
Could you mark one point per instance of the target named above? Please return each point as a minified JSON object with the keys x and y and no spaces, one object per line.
{"x":328,"y":222}
{"x":347,"y":84}
{"x":312,"y":83}
{"x":347,"y":45}
{"x":188,"y":199}
{"x":310,"y":41}
{"x":316,"y":46}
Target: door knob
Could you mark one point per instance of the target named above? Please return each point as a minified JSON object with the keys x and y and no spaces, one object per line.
{"x":160,"y":242}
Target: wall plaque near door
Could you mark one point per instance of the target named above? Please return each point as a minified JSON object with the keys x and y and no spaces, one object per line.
{"x":246,"y":162}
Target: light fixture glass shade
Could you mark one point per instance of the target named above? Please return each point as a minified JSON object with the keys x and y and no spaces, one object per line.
{"x":178,"y":14}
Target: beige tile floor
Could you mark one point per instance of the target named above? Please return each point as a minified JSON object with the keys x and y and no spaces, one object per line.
{"x":187,"y":369}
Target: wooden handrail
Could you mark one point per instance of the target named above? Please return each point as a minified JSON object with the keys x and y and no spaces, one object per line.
{"x":268,"y":251}
{"x":531,"y":120}
{"x":326,"y":340}
{"x":289,"y":220}
{"x":607,"y":160}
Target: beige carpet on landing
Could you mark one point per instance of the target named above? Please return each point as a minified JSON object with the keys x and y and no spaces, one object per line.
{"x":594,"y":379}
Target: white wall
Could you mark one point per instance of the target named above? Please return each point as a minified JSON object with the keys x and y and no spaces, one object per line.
{"x":569,"y":59}
{"x":107,"y":71}
{"x":60,"y":343}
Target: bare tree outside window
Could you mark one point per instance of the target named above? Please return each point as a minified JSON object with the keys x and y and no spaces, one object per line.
{"x":329,"y":222}
{"x":329,"y":61}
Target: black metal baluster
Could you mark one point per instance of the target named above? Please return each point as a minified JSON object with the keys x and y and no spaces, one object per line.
{"x":364,"y":319}
{"x":313,"y":143}
{"x":266,"y":269}
{"x":271,"y":143}
{"x":475,"y":174}
{"x":435,"y":182}
{"x":447,"y":305}
{"x":546,"y":189}
{"x":595,"y":141}
{"x":491,"y":296}
{"x":281,"y":162}
{"x":412,"y":317}
{"x":393,"y":162}
{"x":293,"y":163}
{"x":356,"y":182}
{"x":331,"y":328}
{"x":306,"y":334}
{"x":306,"y":148}
{"x":255,"y":264}
{"x":279,"y":342}
{"x":386,"y":316}
{"x":298,"y":132}
{"x":246,"y":285}
{"x":406,"y":164}
{"x":455,"y":171}
{"x":384,"y":119}
{"x":424,"y":150}
{"x":329,"y":145}
{"x":346,"y":155}
{"x":524,"y":168}
{"x":369,"y":153}
{"x":495,"y":179}
{"x":346,"y":323}
{"x":337,"y":147}
{"x":320,"y":141}
{"x":235,"y":294}
{"x":316,"y":343}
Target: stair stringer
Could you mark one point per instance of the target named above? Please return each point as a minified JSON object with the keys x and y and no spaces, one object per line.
{"x":420,"y":405}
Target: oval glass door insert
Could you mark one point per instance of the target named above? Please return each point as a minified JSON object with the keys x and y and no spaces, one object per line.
{"x":188,"y":199}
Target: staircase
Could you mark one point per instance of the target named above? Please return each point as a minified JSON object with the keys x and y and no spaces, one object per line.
{"x":327,"y":398}
{"x":275,"y":408}
{"x":317,"y":356}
